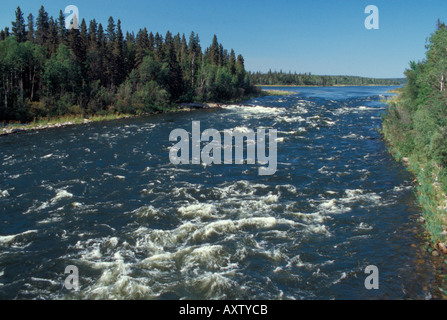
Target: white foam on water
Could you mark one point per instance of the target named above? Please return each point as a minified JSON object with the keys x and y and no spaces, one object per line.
{"x":359,"y":195}
{"x":323,"y":170}
{"x":332,"y":206}
{"x":290,"y":119}
{"x":342,"y":277}
{"x":271,"y":198}
{"x":214,"y":285}
{"x":61,"y":194}
{"x":240,"y":188}
{"x":365,"y":108}
{"x":364,"y":226}
{"x":297,"y":262}
{"x":200,"y":210}
{"x":205,"y":266}
{"x":402,"y":188}
{"x":7,"y":240}
{"x":188,"y":232}
{"x":288,"y":187}
{"x":76,"y":205}
{"x":156,"y":240}
{"x":318,"y":229}
{"x":233,"y":226}
{"x":353,"y":136}
{"x":4,"y":193}
{"x":255,"y":110}
{"x":50,"y":220}
{"x":275,"y":254}
{"x":50,"y":281}
{"x":300,"y":108}
{"x":344,"y":110}
{"x":242,"y":130}
{"x":117,"y":283}
{"x":315,"y":217}
{"x":146,"y":211}
{"x":207,"y":256}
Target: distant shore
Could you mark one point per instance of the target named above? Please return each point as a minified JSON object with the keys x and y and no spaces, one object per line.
{"x":335,"y":85}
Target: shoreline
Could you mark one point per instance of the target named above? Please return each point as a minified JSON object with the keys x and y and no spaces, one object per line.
{"x":72,"y":120}
{"x":335,"y":85}
{"x":430,"y":197}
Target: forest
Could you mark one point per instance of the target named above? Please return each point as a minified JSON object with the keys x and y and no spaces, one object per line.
{"x":308,"y":79}
{"x":47,"y":70}
{"x":415,"y":125}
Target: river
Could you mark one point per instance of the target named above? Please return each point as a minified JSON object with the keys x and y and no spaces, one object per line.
{"x":105,"y":198}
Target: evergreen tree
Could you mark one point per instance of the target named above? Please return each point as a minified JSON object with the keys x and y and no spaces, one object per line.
{"x":42,"y":27}
{"x":53,"y":37}
{"x":18,"y":26}
{"x":30,"y":26}
{"x":141,"y":45}
{"x":89,"y":70}
{"x":118,"y":55}
{"x":62,"y":31}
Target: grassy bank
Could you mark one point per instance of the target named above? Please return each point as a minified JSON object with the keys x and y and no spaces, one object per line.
{"x":430,"y":189}
{"x":69,"y":120}
{"x":55,"y":122}
{"x":267,"y":92}
{"x":415,"y":127}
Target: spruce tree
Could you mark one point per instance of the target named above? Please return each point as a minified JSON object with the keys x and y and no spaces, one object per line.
{"x":62,"y":31}
{"x":18,"y":26}
{"x":30,"y":26}
{"x":42,"y":27}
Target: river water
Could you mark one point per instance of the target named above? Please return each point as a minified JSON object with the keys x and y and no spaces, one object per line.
{"x":105,"y":198}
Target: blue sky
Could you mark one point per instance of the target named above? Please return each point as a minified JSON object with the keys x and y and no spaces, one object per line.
{"x":318,"y":36}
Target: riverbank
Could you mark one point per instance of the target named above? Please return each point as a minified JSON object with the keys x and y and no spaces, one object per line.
{"x":430,"y":195}
{"x":266,"y":92}
{"x":428,"y":189}
{"x":70,"y":120}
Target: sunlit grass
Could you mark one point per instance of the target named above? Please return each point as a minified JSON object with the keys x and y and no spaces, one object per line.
{"x":267,"y":92}
{"x":65,"y":120}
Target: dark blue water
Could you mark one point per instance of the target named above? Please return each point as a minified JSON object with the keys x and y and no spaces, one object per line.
{"x":105,"y":198}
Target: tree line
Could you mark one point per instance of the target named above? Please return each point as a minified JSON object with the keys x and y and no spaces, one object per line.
{"x":416,"y":127}
{"x":308,"y":79}
{"x":47,"y":70}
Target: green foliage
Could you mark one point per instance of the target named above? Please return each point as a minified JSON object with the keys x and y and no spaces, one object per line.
{"x":306,"y":79}
{"x":48,"y":71}
{"x":416,"y":126}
